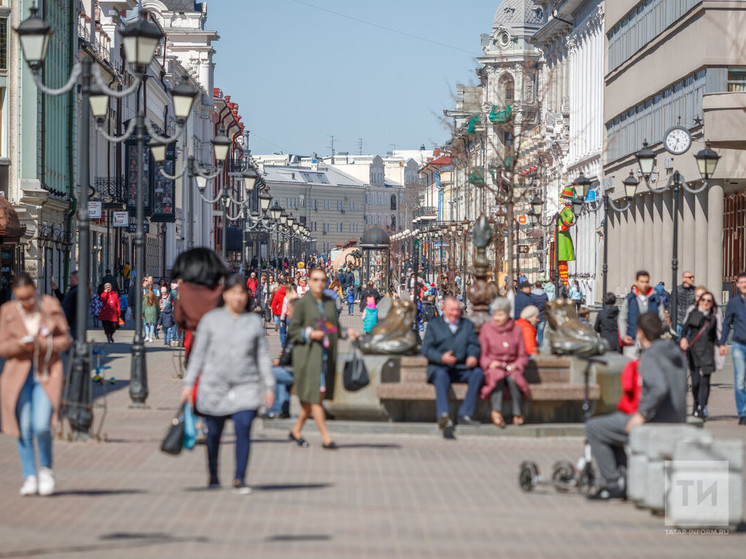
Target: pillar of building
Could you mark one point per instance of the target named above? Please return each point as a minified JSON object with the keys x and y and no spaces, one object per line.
{"x":687,"y":256}
{"x":715,"y":206}
{"x":657,"y":251}
{"x":699,"y":249}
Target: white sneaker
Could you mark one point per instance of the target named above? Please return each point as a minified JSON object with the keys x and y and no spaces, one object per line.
{"x":29,"y":487}
{"x":46,"y":481}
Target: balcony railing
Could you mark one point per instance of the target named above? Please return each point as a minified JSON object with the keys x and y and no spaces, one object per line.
{"x":425,"y":210}
{"x":110,"y":190}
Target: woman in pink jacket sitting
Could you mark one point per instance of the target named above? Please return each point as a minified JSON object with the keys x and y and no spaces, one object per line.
{"x":503,"y":361}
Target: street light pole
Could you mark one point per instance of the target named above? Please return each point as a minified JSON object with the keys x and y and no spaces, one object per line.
{"x":138,"y":372}
{"x":80,"y":412}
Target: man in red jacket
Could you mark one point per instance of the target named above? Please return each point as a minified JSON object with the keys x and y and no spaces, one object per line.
{"x":277,"y":301}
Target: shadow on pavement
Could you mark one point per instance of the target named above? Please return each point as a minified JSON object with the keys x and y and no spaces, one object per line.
{"x":290,"y":486}
{"x":98,"y":492}
{"x":119,"y":540}
{"x":299,"y":538}
{"x":381,"y":446}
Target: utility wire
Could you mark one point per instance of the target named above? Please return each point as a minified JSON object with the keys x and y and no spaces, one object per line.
{"x":379,"y":26}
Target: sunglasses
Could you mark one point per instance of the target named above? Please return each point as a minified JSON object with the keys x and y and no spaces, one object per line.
{"x":707,"y":300}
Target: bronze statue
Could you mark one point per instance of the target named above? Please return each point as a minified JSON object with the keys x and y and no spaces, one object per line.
{"x":481,"y":293}
{"x":393,"y":335}
{"x":567,"y":335}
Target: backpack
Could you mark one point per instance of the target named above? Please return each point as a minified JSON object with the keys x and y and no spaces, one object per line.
{"x":96,"y":306}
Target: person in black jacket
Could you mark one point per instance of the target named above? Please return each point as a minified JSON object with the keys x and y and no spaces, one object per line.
{"x":452,"y":349}
{"x":522,"y":299}
{"x":369,"y":291}
{"x":699,"y":337}
{"x":70,"y":304}
{"x":606,"y":322}
{"x":282,"y":368}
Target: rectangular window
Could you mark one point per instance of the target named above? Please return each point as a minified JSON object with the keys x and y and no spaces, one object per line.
{"x":736,"y":79}
{"x":3,"y":44}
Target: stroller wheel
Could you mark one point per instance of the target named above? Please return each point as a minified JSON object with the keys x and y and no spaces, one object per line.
{"x":588,"y":480}
{"x":527,"y":479}
{"x":563,"y":475}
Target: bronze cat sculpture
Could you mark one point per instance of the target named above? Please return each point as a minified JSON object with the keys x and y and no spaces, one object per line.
{"x":393,"y":335}
{"x":567,"y":335}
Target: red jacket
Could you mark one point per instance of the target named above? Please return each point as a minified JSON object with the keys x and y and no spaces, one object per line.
{"x":631,"y":388}
{"x":110,"y":308}
{"x":277,"y":299}
{"x":529,"y":335}
{"x":252,"y":284}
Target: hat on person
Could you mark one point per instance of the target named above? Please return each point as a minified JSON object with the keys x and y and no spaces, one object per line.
{"x":523,"y":284}
{"x":529,"y":311}
{"x":370,"y":303}
{"x":432,"y":284}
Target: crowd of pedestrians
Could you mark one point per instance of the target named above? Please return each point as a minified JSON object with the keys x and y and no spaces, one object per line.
{"x":221,"y":318}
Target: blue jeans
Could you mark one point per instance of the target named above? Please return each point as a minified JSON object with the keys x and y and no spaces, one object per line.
{"x":738,"y":352}
{"x":168,"y":335}
{"x":443,"y":376}
{"x":34,"y":413}
{"x":283,"y":382}
{"x":350,"y":308}
{"x":283,"y":331}
{"x":149,"y":330}
{"x":242,"y":421}
{"x":277,"y":321}
{"x":540,"y":332}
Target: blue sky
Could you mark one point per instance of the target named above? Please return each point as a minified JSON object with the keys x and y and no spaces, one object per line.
{"x":302,"y":74}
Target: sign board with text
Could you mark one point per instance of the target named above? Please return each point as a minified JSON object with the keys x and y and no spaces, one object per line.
{"x":120,"y":219}
{"x":522,"y":249}
{"x":95,"y":209}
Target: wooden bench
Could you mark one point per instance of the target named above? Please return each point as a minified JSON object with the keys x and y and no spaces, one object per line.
{"x":407,"y":396}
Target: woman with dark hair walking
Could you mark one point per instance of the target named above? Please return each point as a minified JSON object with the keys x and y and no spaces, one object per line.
{"x":606,"y":322}
{"x":33,"y":334}
{"x":699,"y":336}
{"x":232,"y":360}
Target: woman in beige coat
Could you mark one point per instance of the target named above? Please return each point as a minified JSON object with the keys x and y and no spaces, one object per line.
{"x":33,"y":333}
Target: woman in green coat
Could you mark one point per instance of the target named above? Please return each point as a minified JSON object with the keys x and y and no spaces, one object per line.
{"x":314,"y":329}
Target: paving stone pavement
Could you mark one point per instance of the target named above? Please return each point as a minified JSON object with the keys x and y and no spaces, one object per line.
{"x":377,"y":496}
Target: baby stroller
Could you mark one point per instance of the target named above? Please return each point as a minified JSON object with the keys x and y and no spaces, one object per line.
{"x":566,"y":475}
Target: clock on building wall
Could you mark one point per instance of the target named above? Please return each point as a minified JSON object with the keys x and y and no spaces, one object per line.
{"x":677,"y":140}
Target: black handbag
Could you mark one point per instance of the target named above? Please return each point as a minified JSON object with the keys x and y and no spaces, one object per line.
{"x":174,"y":440}
{"x":355,"y":373}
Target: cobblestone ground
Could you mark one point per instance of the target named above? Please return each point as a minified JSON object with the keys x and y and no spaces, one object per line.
{"x":378,"y":496}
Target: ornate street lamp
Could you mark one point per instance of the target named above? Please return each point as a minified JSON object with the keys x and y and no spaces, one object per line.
{"x":707,"y":161}
{"x":583,"y":184}
{"x":183,"y":95}
{"x":140,"y":38}
{"x":220,"y":146}
{"x":264,"y":201}
{"x":34,"y":34}
{"x":646,"y":160}
{"x":275,"y":211}
{"x":630,"y":185}
{"x":249,"y":179}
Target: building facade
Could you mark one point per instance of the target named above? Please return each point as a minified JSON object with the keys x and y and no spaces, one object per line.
{"x":685,"y":61}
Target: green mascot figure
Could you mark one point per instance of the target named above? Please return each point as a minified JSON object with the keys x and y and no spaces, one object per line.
{"x":565,"y":249}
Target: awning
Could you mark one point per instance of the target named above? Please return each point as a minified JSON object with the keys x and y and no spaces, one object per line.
{"x":11,"y":229}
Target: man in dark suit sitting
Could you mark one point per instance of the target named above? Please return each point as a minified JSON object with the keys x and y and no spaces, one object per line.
{"x":452,"y":350}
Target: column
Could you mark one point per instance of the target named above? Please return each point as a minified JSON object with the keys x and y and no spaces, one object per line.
{"x":715,"y":207}
{"x":667,"y":234}
{"x":625,"y":247}
{"x":700,"y":241}
{"x":687,"y":254}
{"x":657,"y":252}
{"x":646,"y":256}
{"x":638,"y":248}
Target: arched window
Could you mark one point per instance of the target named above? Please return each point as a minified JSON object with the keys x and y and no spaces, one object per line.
{"x":393,"y":202}
{"x":506,"y":89}
{"x":393,"y":222}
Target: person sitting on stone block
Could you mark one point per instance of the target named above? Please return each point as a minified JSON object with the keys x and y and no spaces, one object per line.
{"x":662,"y":400}
{"x":452,"y":349}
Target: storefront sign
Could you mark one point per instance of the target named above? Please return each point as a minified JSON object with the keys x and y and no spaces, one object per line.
{"x":120,"y":219}
{"x":95,"y":210}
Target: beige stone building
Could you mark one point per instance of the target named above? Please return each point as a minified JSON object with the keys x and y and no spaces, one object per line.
{"x":669,"y":63}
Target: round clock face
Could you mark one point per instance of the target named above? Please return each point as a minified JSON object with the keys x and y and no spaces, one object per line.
{"x":677,"y":140}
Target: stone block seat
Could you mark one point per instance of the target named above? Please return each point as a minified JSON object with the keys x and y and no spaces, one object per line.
{"x":555,"y":395}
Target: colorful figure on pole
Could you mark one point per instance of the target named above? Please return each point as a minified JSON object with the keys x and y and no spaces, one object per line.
{"x":565,"y":249}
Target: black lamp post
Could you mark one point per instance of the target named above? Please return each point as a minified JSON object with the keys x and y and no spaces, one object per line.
{"x":140,"y":39}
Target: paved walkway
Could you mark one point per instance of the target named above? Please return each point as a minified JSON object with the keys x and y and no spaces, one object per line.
{"x":378,"y":496}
